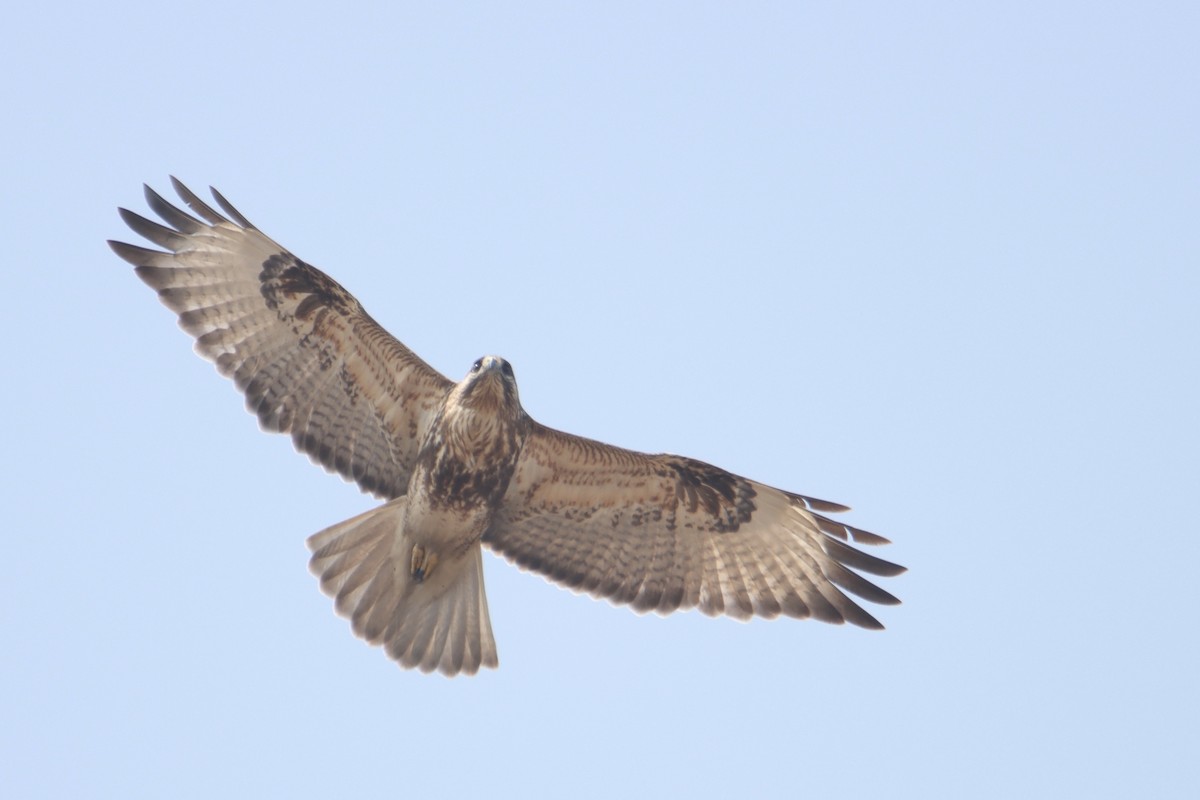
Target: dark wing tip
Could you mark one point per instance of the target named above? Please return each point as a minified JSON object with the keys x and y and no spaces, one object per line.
{"x":138,"y":256}
{"x":847,"y":555}
{"x":180,"y":220}
{"x":195,"y":203}
{"x":865,"y":620}
{"x":160,"y":235}
{"x":821,"y":505}
{"x":228,"y":208}
{"x":866,"y":537}
{"x":847,"y":532}
{"x":860,"y":586}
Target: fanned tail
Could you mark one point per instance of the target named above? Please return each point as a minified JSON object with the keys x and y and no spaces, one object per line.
{"x":442,"y":623}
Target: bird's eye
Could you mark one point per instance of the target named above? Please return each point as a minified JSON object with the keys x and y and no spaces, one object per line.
{"x":477,"y":365}
{"x":507,"y":369}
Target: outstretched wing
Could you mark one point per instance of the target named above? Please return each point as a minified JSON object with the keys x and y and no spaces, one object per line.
{"x":309,"y":359}
{"x":663,"y":532}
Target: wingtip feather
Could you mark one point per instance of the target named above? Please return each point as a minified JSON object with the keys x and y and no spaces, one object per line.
{"x":228,"y":208}
{"x":194,"y":202}
{"x":137,"y":256}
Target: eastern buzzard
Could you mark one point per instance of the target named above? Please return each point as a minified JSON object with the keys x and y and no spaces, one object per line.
{"x":462,"y":465}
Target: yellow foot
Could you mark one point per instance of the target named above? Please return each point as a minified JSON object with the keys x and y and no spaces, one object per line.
{"x":423,"y":562}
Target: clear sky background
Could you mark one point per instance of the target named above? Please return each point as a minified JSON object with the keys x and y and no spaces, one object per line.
{"x":936,"y":261}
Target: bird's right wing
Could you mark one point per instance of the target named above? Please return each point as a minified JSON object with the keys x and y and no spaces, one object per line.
{"x":308,"y":357}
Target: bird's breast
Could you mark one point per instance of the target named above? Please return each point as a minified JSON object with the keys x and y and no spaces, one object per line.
{"x":466,"y":462}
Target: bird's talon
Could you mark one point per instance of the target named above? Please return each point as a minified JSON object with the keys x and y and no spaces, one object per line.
{"x":423,"y":562}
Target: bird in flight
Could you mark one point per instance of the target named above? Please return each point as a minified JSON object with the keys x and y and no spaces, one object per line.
{"x":460,"y":466}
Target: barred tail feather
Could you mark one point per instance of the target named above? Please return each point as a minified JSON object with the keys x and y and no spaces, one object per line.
{"x":439,"y":623}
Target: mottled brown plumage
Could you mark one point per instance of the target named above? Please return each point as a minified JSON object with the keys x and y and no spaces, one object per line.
{"x":462,"y":465}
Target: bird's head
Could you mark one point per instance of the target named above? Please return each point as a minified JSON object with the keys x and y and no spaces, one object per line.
{"x":490,"y":385}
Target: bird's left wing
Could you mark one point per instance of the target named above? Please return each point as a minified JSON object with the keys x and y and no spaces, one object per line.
{"x":664,"y":532}
{"x":308,"y":357}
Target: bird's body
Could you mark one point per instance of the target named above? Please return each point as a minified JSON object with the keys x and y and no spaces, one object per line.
{"x":462,"y":465}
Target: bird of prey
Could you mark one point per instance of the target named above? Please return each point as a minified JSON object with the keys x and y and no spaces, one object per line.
{"x":462,"y":466}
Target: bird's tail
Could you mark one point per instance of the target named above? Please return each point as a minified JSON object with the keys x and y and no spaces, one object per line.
{"x":440,"y":622}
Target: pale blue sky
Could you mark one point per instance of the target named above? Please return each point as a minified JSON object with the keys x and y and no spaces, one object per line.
{"x":936,"y":261}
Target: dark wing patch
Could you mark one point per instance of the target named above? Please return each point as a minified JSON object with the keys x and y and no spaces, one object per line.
{"x":286,"y":280}
{"x":700,"y":487}
{"x":308,"y":357}
{"x":662,"y":533}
